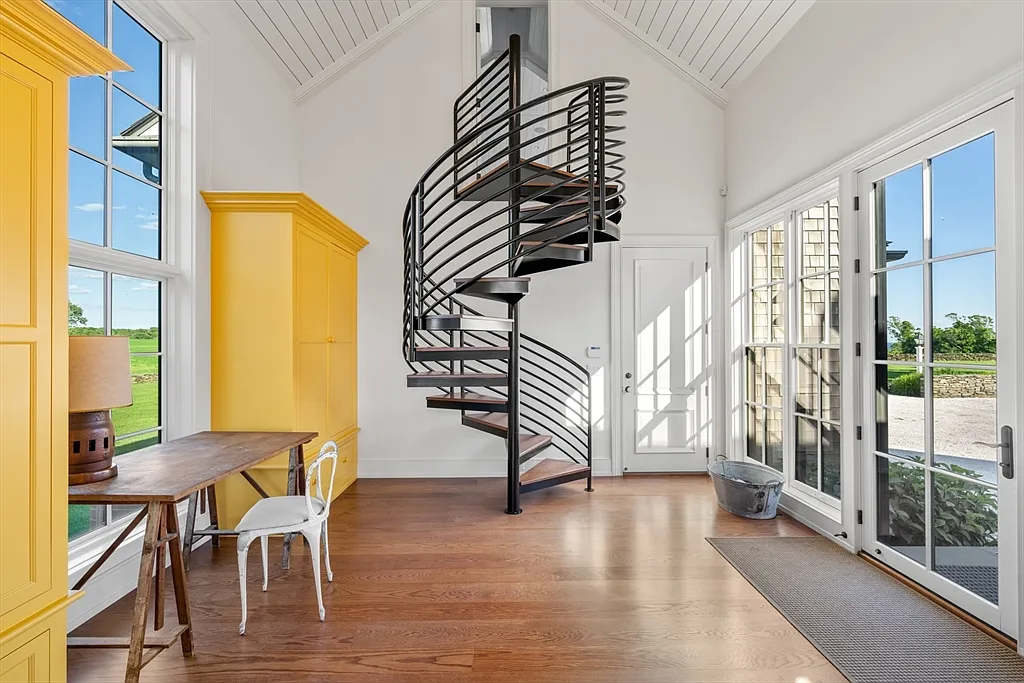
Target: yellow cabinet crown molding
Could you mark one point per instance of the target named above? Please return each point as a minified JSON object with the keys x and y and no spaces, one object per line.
{"x":45,"y":33}
{"x":297,"y":203}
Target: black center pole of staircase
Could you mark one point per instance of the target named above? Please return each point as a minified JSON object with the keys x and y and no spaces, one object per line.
{"x":512,"y":438}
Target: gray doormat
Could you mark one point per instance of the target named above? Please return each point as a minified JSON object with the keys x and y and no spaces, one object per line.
{"x":870,"y":626}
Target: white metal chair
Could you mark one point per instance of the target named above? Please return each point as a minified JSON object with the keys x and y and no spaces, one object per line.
{"x":306,"y":515}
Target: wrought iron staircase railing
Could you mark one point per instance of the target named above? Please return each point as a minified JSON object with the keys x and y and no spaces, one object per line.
{"x":489,"y":209}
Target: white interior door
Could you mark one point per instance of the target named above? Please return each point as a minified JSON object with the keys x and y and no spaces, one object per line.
{"x":940,"y":371}
{"x":664,"y":359}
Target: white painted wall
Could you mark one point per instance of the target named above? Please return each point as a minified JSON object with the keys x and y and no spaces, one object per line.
{"x":366,"y":138}
{"x":851,"y":72}
{"x":252,"y":140}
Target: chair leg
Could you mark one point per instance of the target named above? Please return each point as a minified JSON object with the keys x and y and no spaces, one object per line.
{"x":264,"y":542}
{"x":327,"y":553}
{"x":243,"y":556}
{"x":312,"y":536}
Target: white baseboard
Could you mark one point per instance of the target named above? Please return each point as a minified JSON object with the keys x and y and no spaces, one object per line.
{"x":119,"y":574}
{"x":407,"y":468}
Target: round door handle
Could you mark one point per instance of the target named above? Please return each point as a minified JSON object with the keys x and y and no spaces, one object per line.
{"x":330,"y":340}
{"x":626,"y":388}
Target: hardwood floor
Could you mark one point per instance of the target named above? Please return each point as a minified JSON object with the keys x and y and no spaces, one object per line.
{"x":434,"y":584}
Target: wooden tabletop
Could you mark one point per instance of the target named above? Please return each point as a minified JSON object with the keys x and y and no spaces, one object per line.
{"x":172,"y":471}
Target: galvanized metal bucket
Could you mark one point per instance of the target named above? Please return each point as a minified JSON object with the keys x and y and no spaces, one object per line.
{"x":746,"y":489}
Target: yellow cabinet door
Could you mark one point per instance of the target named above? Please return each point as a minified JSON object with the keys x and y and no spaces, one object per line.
{"x":341,"y":277}
{"x":341,"y":405}
{"x":32,"y":396}
{"x":313,"y":377}
{"x":311,"y":293}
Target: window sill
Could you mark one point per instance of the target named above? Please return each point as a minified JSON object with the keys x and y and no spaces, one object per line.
{"x":835,"y":514}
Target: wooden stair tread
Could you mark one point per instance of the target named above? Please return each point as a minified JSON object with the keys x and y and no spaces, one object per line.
{"x":499,"y":420}
{"x":469,"y":396}
{"x":579,"y":247}
{"x":551,"y":469}
{"x":456,"y":375}
{"x":443,"y":349}
{"x":460,"y":280}
{"x":531,"y":442}
{"x":464,"y":316}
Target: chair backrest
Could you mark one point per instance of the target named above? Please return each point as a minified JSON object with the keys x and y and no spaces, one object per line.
{"x":329,"y":451}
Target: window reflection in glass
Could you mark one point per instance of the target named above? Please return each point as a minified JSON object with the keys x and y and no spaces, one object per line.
{"x":87,"y":115}
{"x":135,"y":137}
{"x":141,"y":50}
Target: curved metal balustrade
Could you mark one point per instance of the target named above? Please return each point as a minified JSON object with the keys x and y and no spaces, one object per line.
{"x":526,"y":187}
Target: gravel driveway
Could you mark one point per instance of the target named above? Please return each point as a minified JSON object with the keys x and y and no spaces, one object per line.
{"x":959,"y":422}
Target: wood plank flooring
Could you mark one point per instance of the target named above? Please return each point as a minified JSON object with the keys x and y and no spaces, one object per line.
{"x":434,"y":584}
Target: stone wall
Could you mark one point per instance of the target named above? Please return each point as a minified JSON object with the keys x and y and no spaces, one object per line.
{"x":964,"y":386}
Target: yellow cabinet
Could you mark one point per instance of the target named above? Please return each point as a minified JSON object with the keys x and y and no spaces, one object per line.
{"x":39,"y":50}
{"x":284,"y":274}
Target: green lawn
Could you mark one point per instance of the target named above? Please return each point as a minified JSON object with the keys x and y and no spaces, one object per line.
{"x":894,"y":371}
{"x":144,"y":412}
{"x":147,"y":365}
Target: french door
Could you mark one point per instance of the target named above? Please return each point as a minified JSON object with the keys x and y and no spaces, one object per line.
{"x":940,"y":363}
{"x":664,"y":359}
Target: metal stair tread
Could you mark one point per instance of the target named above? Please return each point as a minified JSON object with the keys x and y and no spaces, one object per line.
{"x":551,"y":469}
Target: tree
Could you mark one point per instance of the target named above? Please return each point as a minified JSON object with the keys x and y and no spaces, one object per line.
{"x":970,"y":334}
{"x":974,"y":334}
{"x":76,"y":316}
{"x":904,"y":334}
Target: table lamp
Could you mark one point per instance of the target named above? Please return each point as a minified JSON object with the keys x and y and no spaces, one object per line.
{"x":99,"y":378}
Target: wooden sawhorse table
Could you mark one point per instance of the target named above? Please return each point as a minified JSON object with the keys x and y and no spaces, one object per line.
{"x":159,"y":477}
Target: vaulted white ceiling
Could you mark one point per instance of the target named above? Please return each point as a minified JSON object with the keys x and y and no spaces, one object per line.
{"x":311,"y":38}
{"x":716,"y":42}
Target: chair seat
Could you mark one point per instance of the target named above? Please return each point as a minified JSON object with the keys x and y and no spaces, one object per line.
{"x":278,"y":511}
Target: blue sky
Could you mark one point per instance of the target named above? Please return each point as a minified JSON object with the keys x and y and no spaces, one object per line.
{"x":963,"y":219}
{"x":133,"y":208}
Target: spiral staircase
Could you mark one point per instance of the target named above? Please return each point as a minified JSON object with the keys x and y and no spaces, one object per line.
{"x":526,"y":188}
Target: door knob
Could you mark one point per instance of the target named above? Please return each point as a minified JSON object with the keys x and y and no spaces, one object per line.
{"x":626,"y":388}
{"x":629,"y":375}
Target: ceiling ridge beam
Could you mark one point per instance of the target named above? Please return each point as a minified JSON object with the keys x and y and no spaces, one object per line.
{"x":694,"y":78}
{"x":361,"y":51}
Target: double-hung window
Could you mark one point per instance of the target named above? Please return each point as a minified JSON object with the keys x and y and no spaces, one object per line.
{"x":792,"y":348}
{"x":118,"y":274}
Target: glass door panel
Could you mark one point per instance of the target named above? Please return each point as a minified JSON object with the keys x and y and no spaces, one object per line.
{"x":941,"y":290}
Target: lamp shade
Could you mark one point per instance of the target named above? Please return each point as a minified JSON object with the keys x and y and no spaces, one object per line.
{"x":99,"y":374}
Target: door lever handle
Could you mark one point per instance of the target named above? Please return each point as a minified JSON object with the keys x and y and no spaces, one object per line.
{"x":1005,"y":447}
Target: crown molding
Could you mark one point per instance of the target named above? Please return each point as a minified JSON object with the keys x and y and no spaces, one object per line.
{"x":306,"y":91}
{"x":695,"y":79}
{"x":41,"y":30}
{"x":297,"y":203}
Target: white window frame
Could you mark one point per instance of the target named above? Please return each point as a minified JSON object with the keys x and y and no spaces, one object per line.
{"x":184,"y":275}
{"x":788,"y":212}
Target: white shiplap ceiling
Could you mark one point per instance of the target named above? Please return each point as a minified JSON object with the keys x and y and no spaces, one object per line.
{"x":713,"y":43}
{"x":717,"y":42}
{"x":313,"y":38}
